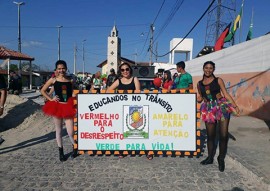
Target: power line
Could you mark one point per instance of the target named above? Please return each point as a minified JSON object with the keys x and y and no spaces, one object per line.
{"x":159,"y":11}
{"x":175,"y":8}
{"x":144,"y":43}
{"x":150,"y":28}
{"x":94,"y":26}
{"x":189,"y":31}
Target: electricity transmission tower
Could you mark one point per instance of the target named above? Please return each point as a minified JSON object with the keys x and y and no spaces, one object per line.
{"x":222,"y":13}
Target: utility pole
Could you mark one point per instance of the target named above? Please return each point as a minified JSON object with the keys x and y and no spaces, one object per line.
{"x":135,"y":57}
{"x":156,"y":51}
{"x":59,"y":50}
{"x":83,"y":57}
{"x":19,"y":31}
{"x":75,"y":57}
{"x":152,"y":28}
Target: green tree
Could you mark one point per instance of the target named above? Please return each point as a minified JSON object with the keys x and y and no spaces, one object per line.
{"x":13,"y":67}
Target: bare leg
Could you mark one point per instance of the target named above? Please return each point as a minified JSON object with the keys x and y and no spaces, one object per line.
{"x":58,"y":131}
{"x":70,"y":130}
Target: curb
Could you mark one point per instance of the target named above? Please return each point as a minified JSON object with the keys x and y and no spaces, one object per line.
{"x":249,"y":172}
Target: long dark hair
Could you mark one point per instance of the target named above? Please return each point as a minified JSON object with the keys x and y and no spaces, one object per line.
{"x":169,"y":75}
{"x":211,"y":63}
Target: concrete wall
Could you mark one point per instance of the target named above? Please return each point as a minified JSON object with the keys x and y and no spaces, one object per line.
{"x":245,"y":69}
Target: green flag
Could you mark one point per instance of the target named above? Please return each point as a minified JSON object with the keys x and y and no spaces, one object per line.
{"x":249,"y":35}
{"x":236,"y":25}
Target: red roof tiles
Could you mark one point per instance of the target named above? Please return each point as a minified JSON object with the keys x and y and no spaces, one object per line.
{"x":13,"y":55}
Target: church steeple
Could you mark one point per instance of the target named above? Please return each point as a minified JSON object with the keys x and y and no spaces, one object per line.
{"x":114,"y":50}
{"x":114,"y":32}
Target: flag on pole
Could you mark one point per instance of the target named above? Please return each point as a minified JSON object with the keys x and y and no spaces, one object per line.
{"x":249,"y":35}
{"x":236,"y":25}
{"x":220,"y":42}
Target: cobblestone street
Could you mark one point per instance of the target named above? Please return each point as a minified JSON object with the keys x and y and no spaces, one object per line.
{"x":35,"y":166}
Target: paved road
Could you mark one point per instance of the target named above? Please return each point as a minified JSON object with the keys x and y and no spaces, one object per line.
{"x":36,"y":167}
{"x":33,"y":165}
{"x":251,"y":147}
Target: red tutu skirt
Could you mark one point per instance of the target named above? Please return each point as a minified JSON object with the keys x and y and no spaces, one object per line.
{"x":60,"y":110}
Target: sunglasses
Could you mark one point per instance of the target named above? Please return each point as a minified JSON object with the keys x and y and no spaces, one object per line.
{"x":126,"y":69}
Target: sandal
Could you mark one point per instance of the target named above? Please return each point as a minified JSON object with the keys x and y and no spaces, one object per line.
{"x":149,"y":157}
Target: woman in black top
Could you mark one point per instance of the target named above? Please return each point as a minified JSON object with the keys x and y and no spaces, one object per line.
{"x":126,"y":81}
{"x":216,"y":107}
{"x":61,"y":106}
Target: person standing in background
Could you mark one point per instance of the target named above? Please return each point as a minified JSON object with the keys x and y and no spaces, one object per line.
{"x":97,"y":82}
{"x":184,"y":80}
{"x":167,"y":80}
{"x":111,"y":78}
{"x":3,"y":97}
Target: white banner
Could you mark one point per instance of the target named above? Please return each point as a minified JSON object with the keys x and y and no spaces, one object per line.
{"x":137,"y":122}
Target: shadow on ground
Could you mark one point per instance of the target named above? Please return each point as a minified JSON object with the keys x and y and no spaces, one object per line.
{"x":18,"y":114}
{"x":31,"y":142}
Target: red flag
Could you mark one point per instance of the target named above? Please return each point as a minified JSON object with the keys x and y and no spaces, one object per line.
{"x":220,"y":42}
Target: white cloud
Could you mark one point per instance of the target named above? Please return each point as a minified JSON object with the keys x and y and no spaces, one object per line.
{"x":31,"y":43}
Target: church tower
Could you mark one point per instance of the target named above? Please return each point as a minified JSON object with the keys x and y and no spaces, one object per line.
{"x":114,"y":50}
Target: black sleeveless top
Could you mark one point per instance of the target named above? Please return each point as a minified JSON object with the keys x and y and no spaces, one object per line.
{"x":210,"y":91}
{"x":63,"y":90}
{"x":130,"y":86}
{"x":3,"y":84}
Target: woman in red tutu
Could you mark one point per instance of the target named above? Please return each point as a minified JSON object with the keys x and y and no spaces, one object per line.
{"x":216,"y":108}
{"x":61,"y":106}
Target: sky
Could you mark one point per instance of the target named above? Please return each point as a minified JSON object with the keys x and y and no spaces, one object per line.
{"x":88,"y":23}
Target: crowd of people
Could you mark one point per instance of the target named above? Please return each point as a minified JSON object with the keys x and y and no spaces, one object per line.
{"x":180,"y":81}
{"x":216,"y":103}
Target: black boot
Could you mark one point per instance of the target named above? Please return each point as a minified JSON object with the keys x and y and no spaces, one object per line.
{"x":221,"y":164}
{"x":61,"y":154}
{"x":74,"y":153}
{"x":208,"y":160}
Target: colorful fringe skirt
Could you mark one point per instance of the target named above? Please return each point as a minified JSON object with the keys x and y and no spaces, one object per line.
{"x":60,"y":110}
{"x":216,"y":110}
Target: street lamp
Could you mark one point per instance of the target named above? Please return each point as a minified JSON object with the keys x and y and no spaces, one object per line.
{"x":83,"y":57}
{"x":19,"y":29}
{"x":59,"y":41}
